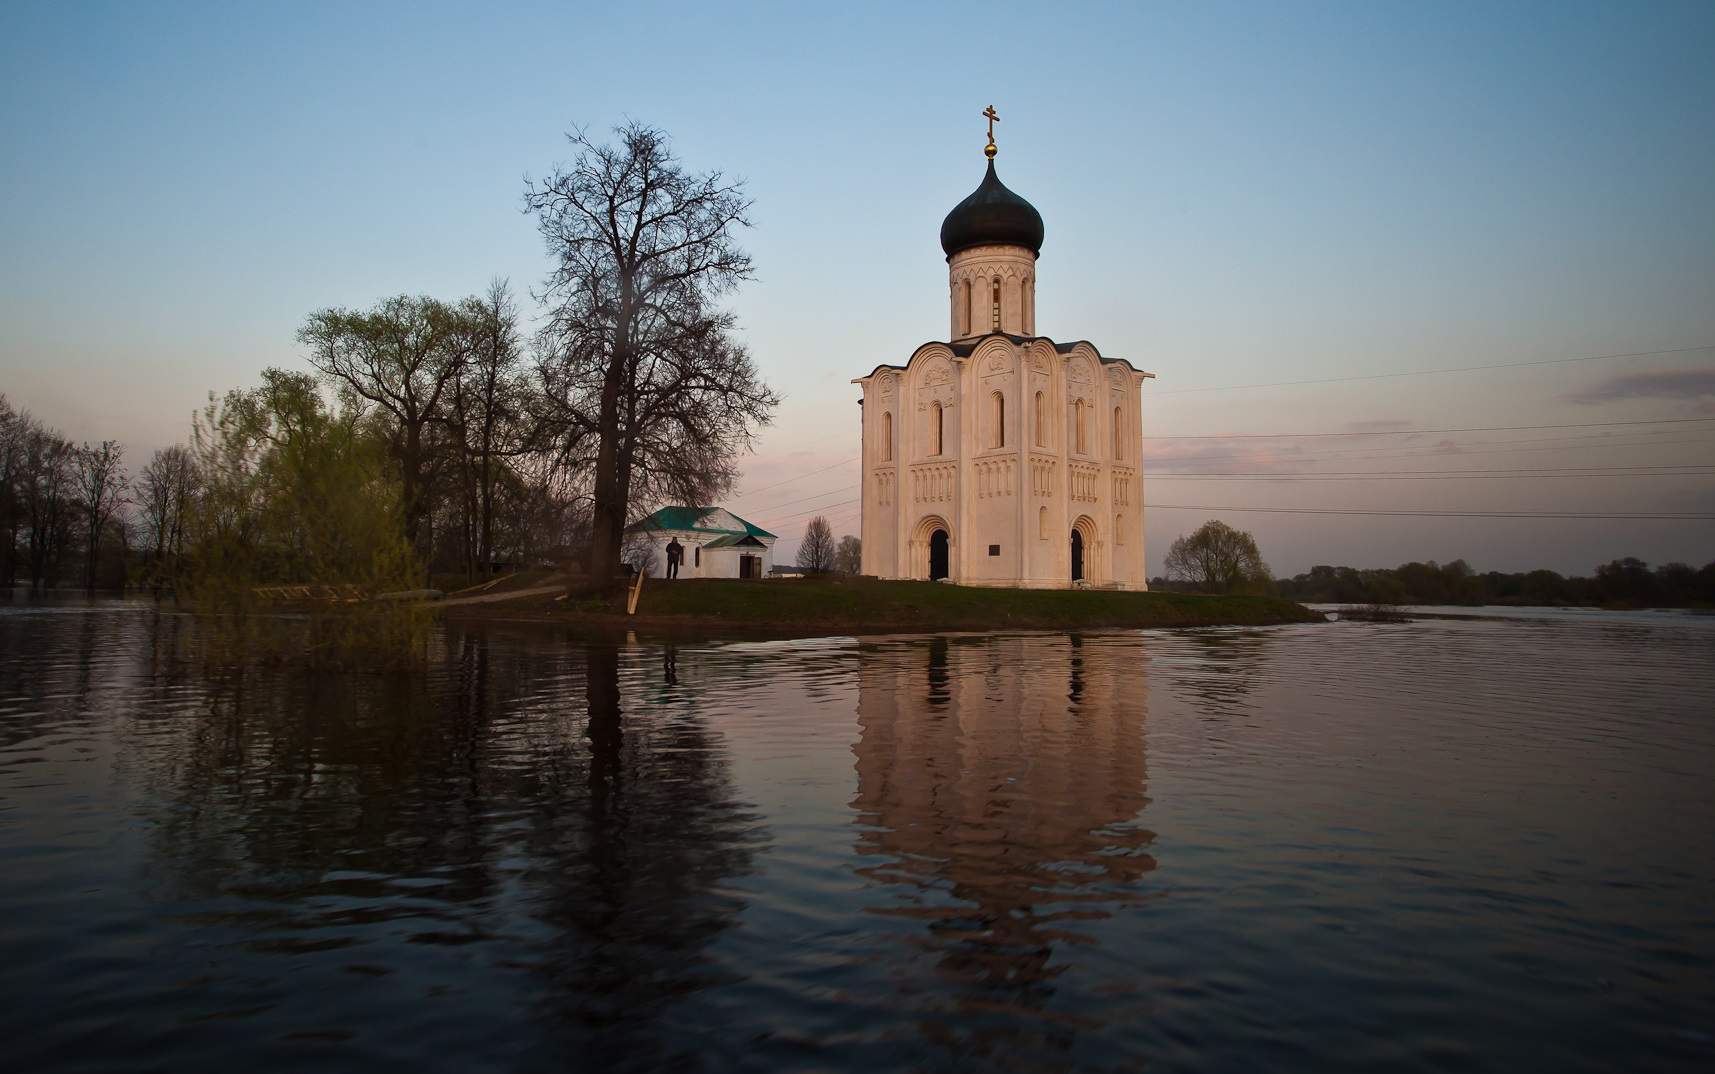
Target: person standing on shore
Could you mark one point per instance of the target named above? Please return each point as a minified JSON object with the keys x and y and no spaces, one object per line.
{"x":675,"y":553}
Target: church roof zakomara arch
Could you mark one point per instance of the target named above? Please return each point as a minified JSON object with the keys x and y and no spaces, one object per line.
{"x":964,"y":348}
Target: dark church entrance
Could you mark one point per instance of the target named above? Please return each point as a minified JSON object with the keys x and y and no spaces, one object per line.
{"x":1077,"y":556}
{"x":937,"y":555}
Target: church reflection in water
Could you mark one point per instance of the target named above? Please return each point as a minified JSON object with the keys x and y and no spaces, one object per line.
{"x":1000,"y":782}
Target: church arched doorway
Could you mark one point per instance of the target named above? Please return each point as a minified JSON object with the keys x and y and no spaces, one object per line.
{"x":1077,"y":556}
{"x":937,"y":555}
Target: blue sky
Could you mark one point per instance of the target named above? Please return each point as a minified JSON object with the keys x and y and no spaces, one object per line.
{"x":1235,"y":195}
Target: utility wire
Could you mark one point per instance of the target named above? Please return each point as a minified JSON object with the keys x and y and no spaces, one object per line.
{"x":1614,"y":515}
{"x":1665,"y":470}
{"x":802,"y":499}
{"x":1421,"y":432}
{"x":1433,"y":372}
{"x":1561,"y":443}
{"x":1451,"y":476}
{"x":811,"y":511}
{"x":800,"y":477}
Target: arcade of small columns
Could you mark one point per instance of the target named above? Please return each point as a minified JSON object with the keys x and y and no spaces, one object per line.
{"x":1024,"y":453}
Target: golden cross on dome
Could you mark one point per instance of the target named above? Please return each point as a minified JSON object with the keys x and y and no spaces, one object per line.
{"x":993,"y":118}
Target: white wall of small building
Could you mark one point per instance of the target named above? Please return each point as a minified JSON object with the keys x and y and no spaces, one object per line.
{"x":700,"y":562}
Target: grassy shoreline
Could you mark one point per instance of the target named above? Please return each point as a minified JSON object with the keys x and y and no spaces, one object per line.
{"x":819,"y":607}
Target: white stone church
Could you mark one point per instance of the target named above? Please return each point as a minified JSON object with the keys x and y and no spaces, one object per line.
{"x":1003,"y":458}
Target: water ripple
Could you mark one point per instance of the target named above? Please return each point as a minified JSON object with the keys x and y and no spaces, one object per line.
{"x":1477,"y":843}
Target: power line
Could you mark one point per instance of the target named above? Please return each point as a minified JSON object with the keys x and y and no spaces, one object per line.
{"x":1451,"y":476}
{"x":1562,"y":443}
{"x":1664,"y":470}
{"x":1423,"y":432}
{"x":1432,"y":372}
{"x":802,"y":499}
{"x":800,"y":477}
{"x":1499,"y":470}
{"x":1611,"y":515}
{"x":1429,"y":475}
{"x":811,"y":511}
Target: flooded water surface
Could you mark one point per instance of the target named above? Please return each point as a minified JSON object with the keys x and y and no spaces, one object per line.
{"x":1451,"y":844}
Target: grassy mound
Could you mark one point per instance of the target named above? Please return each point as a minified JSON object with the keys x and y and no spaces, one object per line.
{"x":831,"y":605}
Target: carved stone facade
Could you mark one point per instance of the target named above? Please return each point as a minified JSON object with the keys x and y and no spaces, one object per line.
{"x":1008,"y":446}
{"x":1002,"y":458}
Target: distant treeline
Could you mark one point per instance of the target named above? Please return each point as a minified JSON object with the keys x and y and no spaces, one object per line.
{"x":61,"y":503}
{"x":1622,"y":583}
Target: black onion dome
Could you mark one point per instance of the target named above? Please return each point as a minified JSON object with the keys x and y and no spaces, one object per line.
{"x":992,"y":215}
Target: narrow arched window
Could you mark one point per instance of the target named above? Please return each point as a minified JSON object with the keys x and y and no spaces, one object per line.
{"x":965,"y":317}
{"x":997,"y":303}
{"x":999,"y":438}
{"x":1119,"y":435}
{"x":1119,"y":529}
{"x":1079,"y":427}
{"x":887,"y":436}
{"x":1041,"y":431}
{"x":939,"y":424}
{"x":1042,"y":522}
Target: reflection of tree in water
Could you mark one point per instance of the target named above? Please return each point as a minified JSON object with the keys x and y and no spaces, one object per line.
{"x":938,"y":694}
{"x":1229,"y":665}
{"x":630,"y":877}
{"x":1000,"y":780}
{"x":507,"y":793}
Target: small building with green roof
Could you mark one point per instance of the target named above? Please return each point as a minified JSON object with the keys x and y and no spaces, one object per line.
{"x":716,"y":542}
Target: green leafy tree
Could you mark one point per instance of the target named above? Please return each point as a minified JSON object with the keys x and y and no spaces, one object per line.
{"x":294,"y":495}
{"x":397,"y":363}
{"x":1219,"y":559}
{"x":848,"y":557}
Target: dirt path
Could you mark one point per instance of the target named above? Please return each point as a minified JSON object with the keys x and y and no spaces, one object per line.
{"x":505,"y":594}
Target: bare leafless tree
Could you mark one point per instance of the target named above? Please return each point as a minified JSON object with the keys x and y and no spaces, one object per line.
{"x":164,"y":491}
{"x":48,"y":490}
{"x":38,"y":499}
{"x":101,"y":484}
{"x":14,"y":430}
{"x":487,"y":415}
{"x":648,"y":388}
{"x":640,"y":553}
{"x":816,"y":551}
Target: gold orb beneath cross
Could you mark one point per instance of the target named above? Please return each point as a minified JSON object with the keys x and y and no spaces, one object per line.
{"x":989,"y":150}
